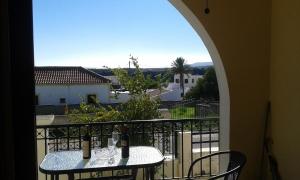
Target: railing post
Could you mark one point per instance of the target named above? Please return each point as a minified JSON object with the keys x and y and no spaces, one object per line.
{"x":185,"y":151}
{"x":176,"y":143}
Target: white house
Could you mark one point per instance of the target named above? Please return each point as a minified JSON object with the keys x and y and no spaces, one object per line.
{"x":173,"y":91}
{"x":189,"y":80}
{"x":69,"y":85}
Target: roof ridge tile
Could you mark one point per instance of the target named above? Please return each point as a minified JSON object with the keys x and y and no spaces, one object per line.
{"x":67,"y":75}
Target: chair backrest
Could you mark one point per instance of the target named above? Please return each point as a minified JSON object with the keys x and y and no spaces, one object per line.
{"x":236,"y":163}
{"x":237,"y":160}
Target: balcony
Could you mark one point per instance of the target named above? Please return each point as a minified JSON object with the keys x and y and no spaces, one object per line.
{"x":180,"y":140}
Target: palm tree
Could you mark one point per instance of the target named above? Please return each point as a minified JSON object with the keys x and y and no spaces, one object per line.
{"x":180,"y":67}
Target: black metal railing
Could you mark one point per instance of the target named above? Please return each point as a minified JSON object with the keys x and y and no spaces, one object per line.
{"x":179,"y":140}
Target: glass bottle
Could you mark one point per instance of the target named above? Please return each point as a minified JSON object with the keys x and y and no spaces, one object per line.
{"x":86,"y":144}
{"x":124,"y":142}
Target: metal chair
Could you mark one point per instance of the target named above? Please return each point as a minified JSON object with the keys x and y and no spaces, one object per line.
{"x":237,"y":160}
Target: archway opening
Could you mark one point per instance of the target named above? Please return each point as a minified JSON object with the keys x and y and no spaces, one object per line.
{"x":223,"y":90}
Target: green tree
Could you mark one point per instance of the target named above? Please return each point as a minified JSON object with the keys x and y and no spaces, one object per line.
{"x":180,"y":67}
{"x":136,"y":82}
{"x":154,"y":83}
{"x":140,"y":106}
{"x":206,"y":88}
{"x":87,"y":113}
{"x":196,"y":92}
{"x":210,"y":84}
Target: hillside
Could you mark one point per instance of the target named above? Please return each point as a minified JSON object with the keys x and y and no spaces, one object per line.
{"x":201,"y":64}
{"x":197,"y":68}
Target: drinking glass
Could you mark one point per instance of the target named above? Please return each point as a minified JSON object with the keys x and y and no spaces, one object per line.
{"x":110,"y":147}
{"x":97,"y":146}
{"x":115,"y":137}
{"x":96,"y":150}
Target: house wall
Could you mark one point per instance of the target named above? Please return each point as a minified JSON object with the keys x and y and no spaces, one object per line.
{"x":285,"y":86}
{"x":241,"y":32}
{"x":74,"y":94}
{"x":189,"y":77}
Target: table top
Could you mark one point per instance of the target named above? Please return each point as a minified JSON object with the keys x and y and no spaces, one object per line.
{"x":63,"y":162}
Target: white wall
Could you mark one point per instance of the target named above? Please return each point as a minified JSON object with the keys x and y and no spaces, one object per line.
{"x":189,"y":77}
{"x":74,"y":94}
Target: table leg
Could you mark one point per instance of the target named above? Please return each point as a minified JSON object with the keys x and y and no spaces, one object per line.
{"x":134,"y":173}
{"x":71,"y":176}
{"x":150,"y":173}
{"x":54,"y":177}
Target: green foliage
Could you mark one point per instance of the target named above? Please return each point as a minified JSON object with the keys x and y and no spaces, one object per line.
{"x":179,"y":66}
{"x":135,"y":81}
{"x":206,"y":88}
{"x":182,"y":112}
{"x":210,"y":84}
{"x":139,"y":107}
{"x":196,"y":92}
{"x":87,"y":113}
{"x":153,"y":83}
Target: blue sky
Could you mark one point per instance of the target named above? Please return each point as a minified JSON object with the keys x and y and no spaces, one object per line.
{"x":96,"y":33}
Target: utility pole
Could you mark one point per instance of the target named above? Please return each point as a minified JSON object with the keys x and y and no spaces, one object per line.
{"x":132,"y":59}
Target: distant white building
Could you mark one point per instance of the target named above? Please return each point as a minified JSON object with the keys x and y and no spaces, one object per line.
{"x":173,"y":91}
{"x":189,"y":80}
{"x":70,"y":85}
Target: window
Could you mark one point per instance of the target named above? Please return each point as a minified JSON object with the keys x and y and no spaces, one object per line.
{"x":36,"y":100}
{"x":91,"y":98}
{"x":62,"y":100}
{"x":177,"y":80}
{"x":193,"y":80}
{"x":186,"y":81}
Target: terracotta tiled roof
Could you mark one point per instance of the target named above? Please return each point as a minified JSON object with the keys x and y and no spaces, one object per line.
{"x":67,"y":75}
